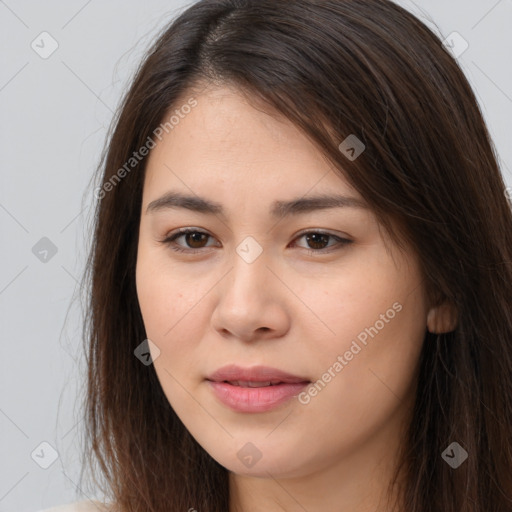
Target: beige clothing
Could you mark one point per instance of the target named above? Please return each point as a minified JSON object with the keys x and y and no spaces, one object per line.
{"x":79,"y":506}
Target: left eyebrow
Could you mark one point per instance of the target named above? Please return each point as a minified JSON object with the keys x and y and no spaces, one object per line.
{"x":279,"y":208}
{"x":309,"y":204}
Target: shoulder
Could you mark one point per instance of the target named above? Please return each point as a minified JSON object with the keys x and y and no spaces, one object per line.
{"x":80,"y":506}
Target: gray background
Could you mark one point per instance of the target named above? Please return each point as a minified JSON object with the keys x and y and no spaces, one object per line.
{"x":54,"y":115}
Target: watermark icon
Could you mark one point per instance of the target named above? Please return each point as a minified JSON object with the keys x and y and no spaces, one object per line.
{"x":454,"y":455}
{"x":249,"y":249}
{"x":249,"y":455}
{"x":147,"y":352}
{"x":455,"y":44}
{"x":44,"y":45}
{"x":44,"y":250}
{"x":44,"y":455}
{"x":143,"y":151}
{"x":508,"y":195}
{"x":342,"y":361}
{"x":352,"y":147}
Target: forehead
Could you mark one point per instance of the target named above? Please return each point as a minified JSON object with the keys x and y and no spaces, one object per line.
{"x":227,"y":140}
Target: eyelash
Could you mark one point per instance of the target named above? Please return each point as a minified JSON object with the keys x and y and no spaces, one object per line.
{"x":171,"y":239}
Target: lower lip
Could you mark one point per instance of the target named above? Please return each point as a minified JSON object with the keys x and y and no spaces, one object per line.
{"x":255,"y":399}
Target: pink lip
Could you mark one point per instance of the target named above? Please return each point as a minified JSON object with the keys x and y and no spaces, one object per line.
{"x":244,"y":399}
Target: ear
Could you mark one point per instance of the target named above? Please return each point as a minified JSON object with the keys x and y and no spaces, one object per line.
{"x":442,"y":318}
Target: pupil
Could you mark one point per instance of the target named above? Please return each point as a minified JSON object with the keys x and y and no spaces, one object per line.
{"x":195,"y":237}
{"x":317,"y":236}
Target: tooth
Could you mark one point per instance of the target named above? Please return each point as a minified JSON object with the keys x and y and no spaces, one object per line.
{"x":250,"y":384}
{"x":256,"y":384}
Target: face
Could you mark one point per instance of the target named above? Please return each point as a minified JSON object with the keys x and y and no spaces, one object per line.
{"x":311,"y":289}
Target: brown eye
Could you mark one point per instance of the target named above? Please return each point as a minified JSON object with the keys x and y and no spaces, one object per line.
{"x":319,"y":240}
{"x":195,"y":239}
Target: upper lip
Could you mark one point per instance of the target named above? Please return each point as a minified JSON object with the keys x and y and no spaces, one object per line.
{"x":233,"y":372}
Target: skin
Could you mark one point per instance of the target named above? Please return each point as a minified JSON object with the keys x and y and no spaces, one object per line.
{"x":288,"y":309}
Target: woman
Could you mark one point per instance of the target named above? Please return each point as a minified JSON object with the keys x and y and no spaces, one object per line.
{"x":301,"y":272}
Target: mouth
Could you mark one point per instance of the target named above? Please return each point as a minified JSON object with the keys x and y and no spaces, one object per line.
{"x":254,"y":376}
{"x":255,"y":389}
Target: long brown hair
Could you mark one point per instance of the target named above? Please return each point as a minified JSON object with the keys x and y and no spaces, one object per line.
{"x":333,"y":68}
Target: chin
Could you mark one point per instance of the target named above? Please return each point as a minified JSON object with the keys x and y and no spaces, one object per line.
{"x":258,"y":459}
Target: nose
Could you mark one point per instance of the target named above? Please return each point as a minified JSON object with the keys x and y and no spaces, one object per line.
{"x":251,"y":303}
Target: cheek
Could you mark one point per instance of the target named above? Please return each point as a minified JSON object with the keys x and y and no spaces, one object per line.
{"x":350,"y":299}
{"x":373,"y":318}
{"x":171,"y":305}
{"x":154,"y":298}
{"x":174,"y":318}
{"x":158,"y":302}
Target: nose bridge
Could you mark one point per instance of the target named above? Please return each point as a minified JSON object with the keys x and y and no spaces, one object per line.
{"x":249,"y":269}
{"x":247,"y":303}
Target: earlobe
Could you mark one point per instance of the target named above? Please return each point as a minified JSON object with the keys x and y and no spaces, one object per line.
{"x":442,"y":318}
